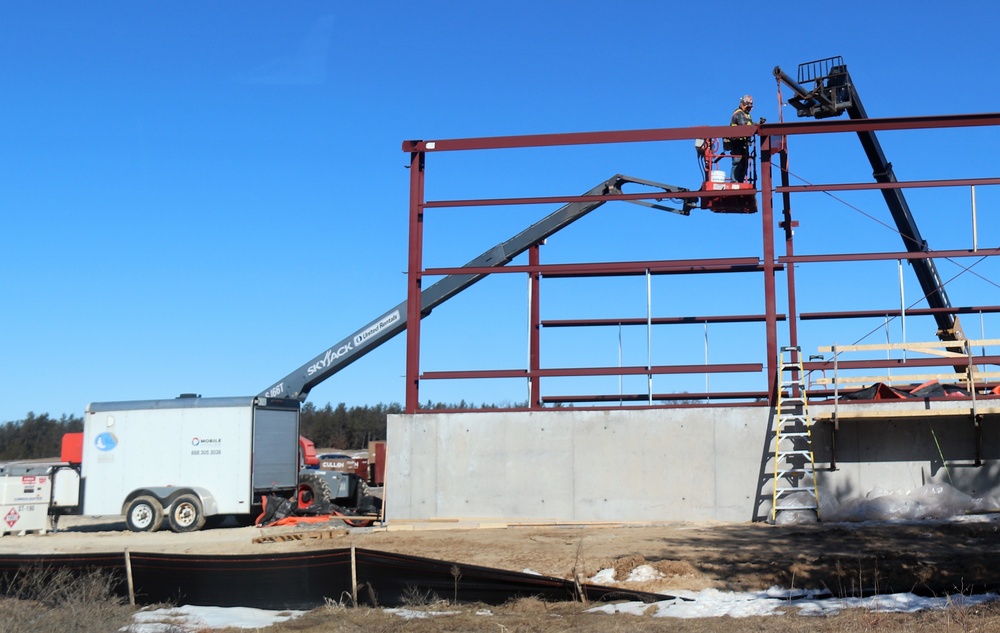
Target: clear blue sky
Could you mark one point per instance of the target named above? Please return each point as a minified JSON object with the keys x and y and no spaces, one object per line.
{"x":200,"y":197}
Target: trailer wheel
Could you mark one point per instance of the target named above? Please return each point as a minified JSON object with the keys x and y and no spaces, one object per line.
{"x":186,"y":514}
{"x":312,"y":489}
{"x":144,"y":514}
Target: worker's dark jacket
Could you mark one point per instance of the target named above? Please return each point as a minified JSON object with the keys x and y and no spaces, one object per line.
{"x":740,"y":118}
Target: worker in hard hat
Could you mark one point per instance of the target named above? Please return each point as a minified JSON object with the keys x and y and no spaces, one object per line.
{"x":740,"y":147}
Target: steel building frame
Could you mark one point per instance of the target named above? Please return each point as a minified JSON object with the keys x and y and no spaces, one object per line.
{"x":772,"y":138}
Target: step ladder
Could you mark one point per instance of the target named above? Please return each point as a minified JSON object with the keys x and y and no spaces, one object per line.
{"x":795,"y":485}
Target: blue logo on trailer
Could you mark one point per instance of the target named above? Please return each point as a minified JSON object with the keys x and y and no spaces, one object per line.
{"x":106,"y":441}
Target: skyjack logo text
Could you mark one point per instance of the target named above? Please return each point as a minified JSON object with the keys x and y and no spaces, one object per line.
{"x":330,"y":356}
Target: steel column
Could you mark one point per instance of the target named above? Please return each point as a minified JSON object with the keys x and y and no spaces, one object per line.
{"x":414,"y":276}
{"x":788,"y":224}
{"x":534,"y":333}
{"x":767,"y":231}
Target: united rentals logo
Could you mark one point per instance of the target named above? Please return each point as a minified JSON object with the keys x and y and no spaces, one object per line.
{"x":376,"y":328}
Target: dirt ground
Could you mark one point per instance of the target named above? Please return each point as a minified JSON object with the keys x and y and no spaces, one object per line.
{"x":927,"y":558}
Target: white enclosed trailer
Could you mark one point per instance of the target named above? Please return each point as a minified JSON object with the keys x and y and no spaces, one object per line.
{"x":186,"y":459}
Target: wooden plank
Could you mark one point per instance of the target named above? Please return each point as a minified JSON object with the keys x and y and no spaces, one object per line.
{"x":915,"y":346}
{"x":313,"y":535}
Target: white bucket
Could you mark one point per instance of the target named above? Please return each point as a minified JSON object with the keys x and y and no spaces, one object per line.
{"x":718,"y":176}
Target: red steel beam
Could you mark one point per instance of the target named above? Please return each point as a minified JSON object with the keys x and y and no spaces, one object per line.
{"x":590,"y":269}
{"x":643,"y":397}
{"x":705,"y":131}
{"x":577,"y":138}
{"x":644,"y":195}
{"x":890,"y":123}
{"x":596,"y":371}
{"x":908,"y":184}
{"x":861,"y":257}
{"x":861,"y":314}
{"x":736,"y":318}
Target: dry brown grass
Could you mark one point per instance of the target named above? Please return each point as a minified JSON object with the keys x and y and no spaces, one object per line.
{"x":58,"y":600}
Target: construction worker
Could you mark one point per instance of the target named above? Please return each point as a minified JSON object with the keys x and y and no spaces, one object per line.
{"x":740,"y":147}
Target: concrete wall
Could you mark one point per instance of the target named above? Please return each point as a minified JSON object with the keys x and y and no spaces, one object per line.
{"x":653,"y":465}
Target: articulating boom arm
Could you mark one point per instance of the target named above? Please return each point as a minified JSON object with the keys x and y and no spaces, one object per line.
{"x":298,"y":383}
{"x":832,"y":93}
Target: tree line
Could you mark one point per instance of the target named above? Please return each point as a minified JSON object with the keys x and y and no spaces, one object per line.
{"x":36,"y":436}
{"x":40,"y":436}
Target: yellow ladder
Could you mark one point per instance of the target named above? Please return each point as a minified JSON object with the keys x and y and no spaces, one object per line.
{"x":795,"y":486}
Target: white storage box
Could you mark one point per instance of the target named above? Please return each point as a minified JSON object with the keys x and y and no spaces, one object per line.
{"x":24,"y":498}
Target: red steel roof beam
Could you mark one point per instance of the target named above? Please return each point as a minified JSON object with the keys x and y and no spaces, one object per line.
{"x":890,"y":123}
{"x":578,"y":138}
{"x":706,"y":131}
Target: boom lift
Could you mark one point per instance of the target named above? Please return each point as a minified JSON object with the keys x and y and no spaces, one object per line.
{"x":298,"y":383}
{"x":710,"y":155}
{"x":831,"y":93}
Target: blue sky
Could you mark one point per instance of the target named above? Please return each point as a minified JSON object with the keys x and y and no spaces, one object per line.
{"x":200,"y":198}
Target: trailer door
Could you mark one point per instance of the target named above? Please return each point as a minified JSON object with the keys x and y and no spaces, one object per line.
{"x":275,"y":448}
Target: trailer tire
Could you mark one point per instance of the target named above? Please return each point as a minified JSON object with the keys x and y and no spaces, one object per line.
{"x":144,"y":514}
{"x":186,"y":514}
{"x":312,"y":489}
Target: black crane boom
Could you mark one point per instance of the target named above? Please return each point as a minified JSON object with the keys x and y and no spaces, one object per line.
{"x":832,"y":93}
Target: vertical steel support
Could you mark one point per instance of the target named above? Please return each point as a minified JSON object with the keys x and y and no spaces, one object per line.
{"x":788,"y":224}
{"x":767,"y":232}
{"x":415,"y":268}
{"x":649,"y":335}
{"x":534,"y":333}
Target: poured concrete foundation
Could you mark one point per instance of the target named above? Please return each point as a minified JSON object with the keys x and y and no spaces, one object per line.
{"x":693,"y":464}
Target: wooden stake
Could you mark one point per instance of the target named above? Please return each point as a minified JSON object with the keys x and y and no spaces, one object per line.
{"x":354,"y":576}
{"x":128,"y":576}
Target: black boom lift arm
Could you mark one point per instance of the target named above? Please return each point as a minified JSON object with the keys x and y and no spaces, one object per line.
{"x":831,"y":93}
{"x":341,"y":354}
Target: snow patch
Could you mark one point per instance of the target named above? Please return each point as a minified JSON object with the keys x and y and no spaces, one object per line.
{"x":644,"y":573}
{"x":191,"y":619}
{"x":712,"y":603}
{"x":603,"y":577}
